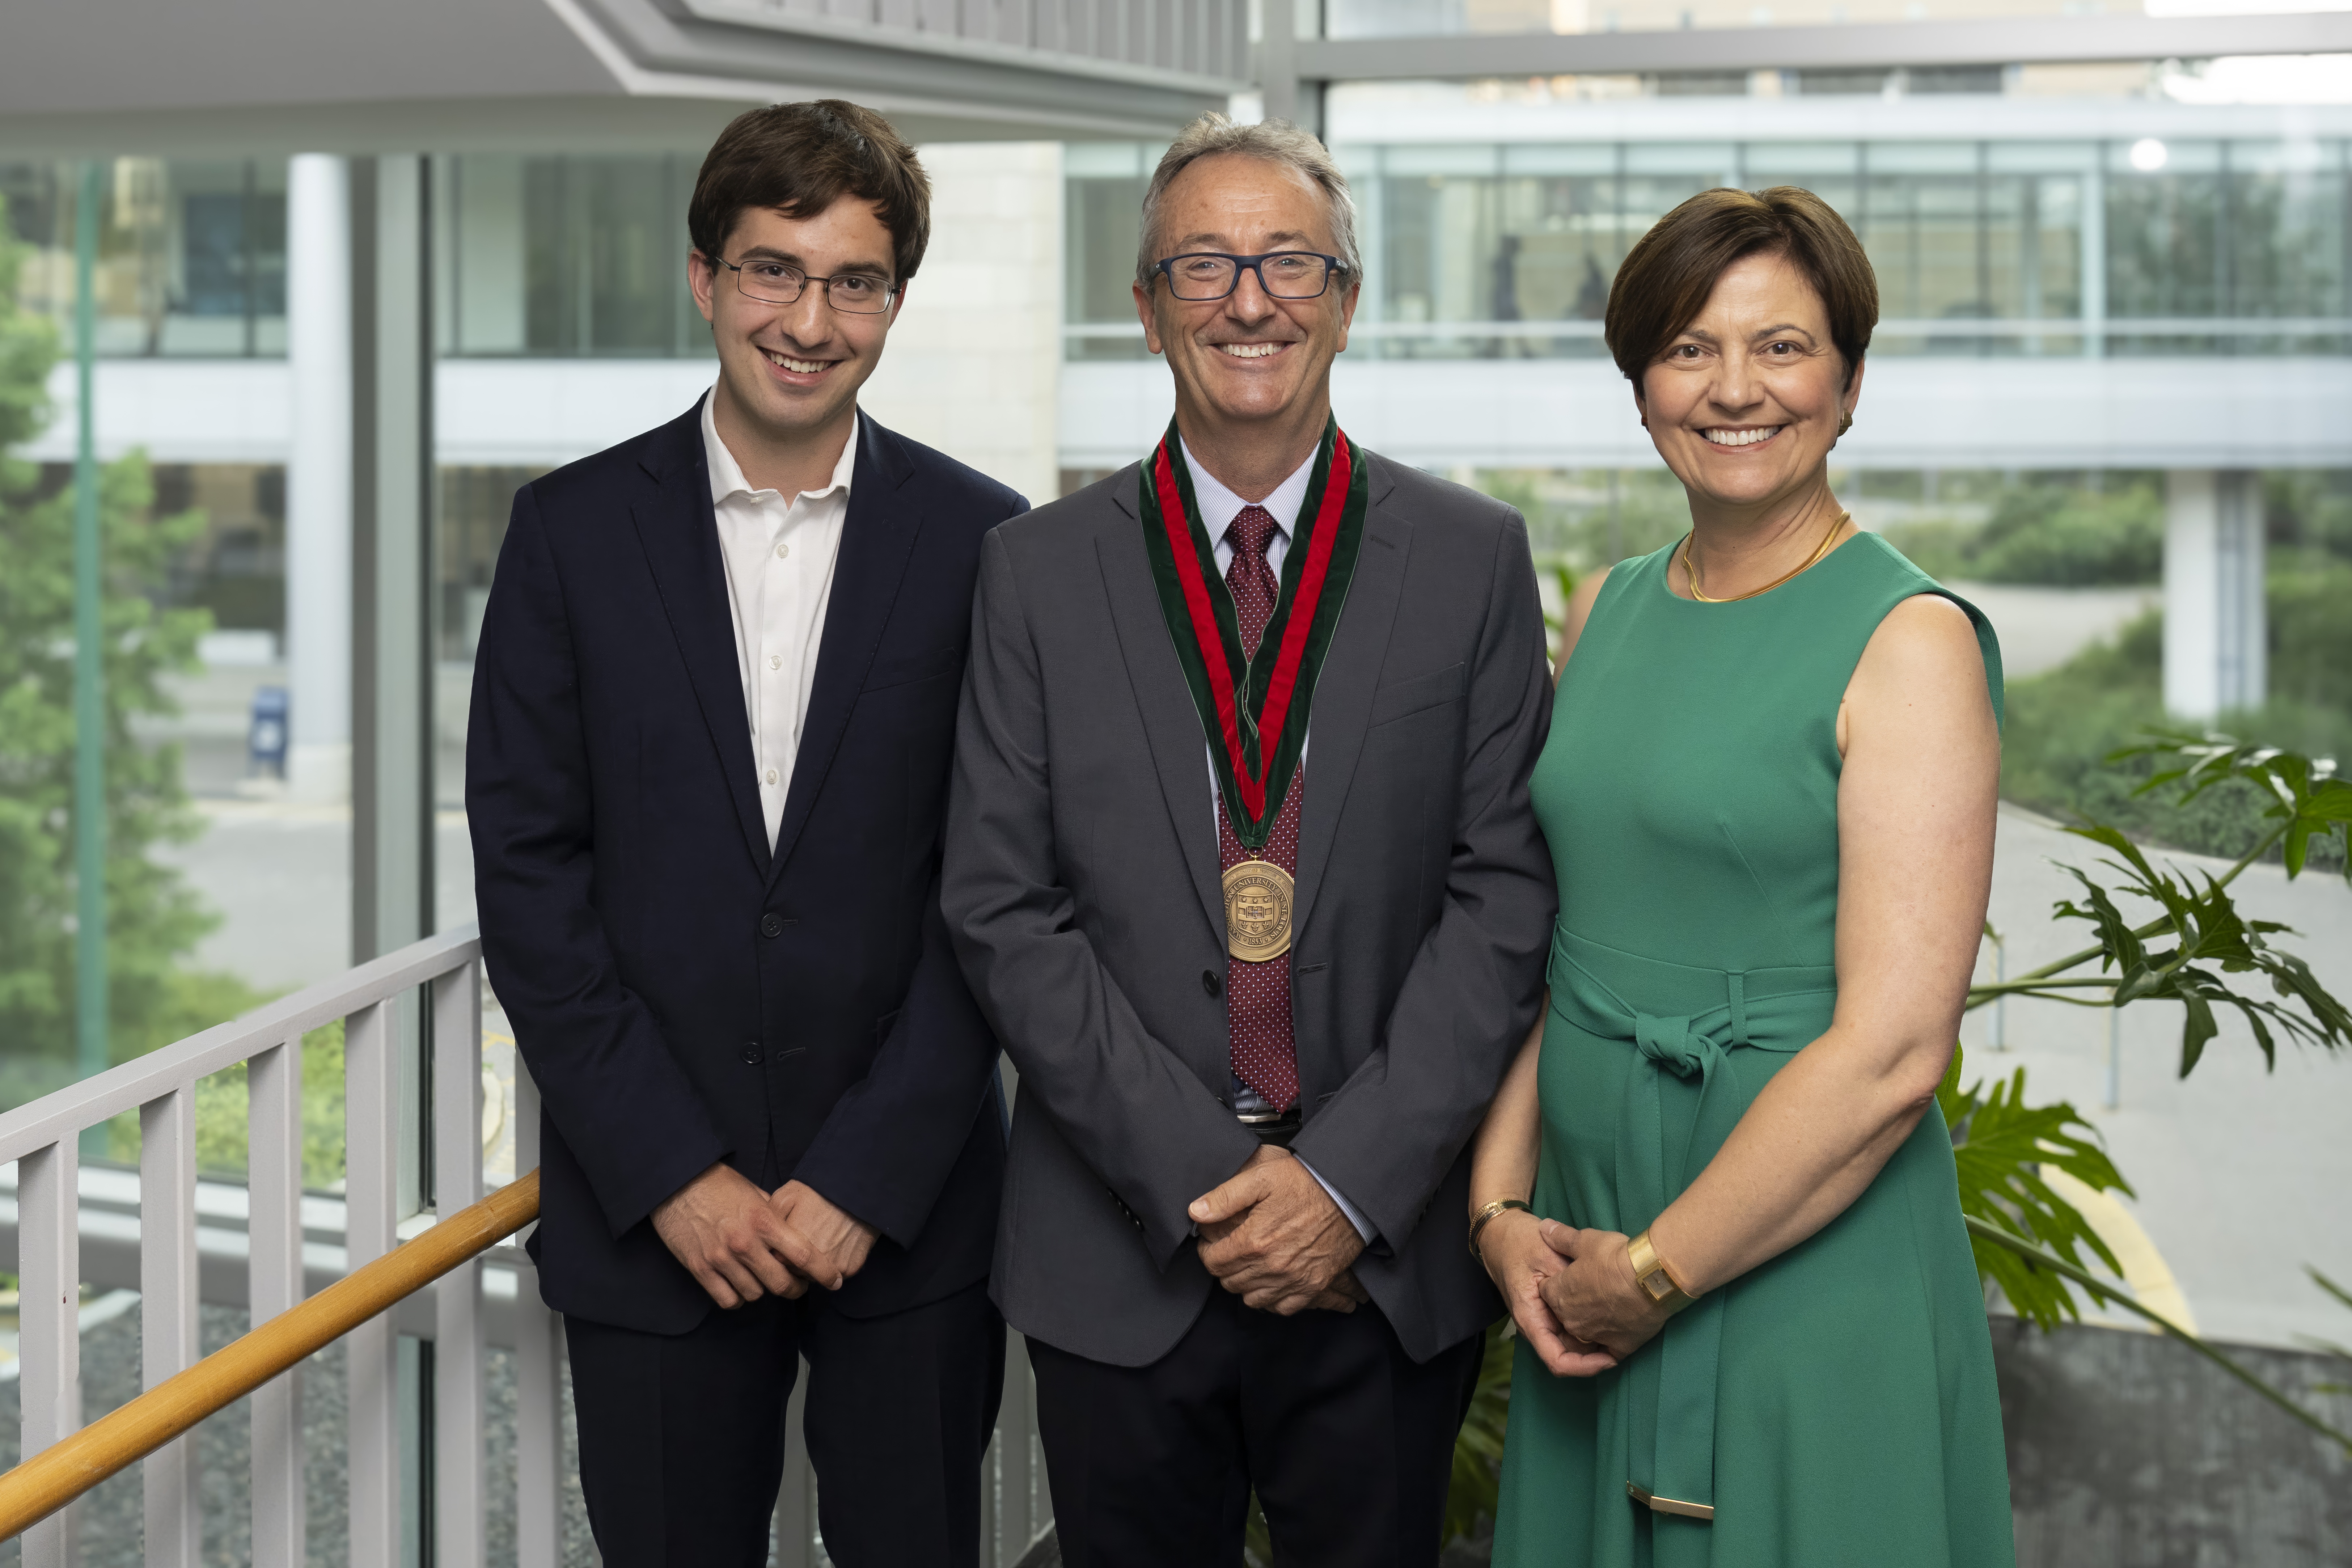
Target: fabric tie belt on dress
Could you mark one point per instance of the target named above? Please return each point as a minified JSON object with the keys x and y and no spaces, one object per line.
{"x":1684,"y":1022}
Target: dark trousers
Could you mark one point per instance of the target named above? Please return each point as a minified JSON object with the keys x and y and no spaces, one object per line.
{"x":682,"y":1437}
{"x":1348,"y":1443}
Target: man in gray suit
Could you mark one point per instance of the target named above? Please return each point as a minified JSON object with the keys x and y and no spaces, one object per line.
{"x":1259,"y":1000}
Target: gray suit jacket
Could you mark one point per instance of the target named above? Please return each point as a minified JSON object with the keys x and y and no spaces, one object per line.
{"x":1082,"y":894}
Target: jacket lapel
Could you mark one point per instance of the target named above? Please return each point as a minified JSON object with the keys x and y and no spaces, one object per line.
{"x":1179,"y":748}
{"x":1343,"y":697}
{"x":678,"y":531}
{"x":878,"y":540}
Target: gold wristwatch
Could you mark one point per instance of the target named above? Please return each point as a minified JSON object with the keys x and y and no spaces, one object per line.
{"x":1650,"y":1271}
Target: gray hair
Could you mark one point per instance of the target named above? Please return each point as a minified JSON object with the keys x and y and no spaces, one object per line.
{"x":1275,"y":142}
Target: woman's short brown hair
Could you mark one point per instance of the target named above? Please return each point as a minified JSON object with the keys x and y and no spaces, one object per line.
{"x":800,"y":158}
{"x":1665,"y":281}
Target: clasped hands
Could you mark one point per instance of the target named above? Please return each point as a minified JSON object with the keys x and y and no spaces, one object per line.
{"x":1572,"y":1292}
{"x":1272,"y":1236}
{"x":741,"y":1244}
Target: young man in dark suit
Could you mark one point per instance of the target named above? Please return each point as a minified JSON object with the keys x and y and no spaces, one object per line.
{"x":713,"y":711}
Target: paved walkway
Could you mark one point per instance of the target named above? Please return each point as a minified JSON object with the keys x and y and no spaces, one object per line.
{"x":2041,"y":628}
{"x":2241,"y":1172}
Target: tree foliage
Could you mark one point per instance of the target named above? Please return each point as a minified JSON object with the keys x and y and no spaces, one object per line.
{"x":223,"y":1127}
{"x":155,"y":919}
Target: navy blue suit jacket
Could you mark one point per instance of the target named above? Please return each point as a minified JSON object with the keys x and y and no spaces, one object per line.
{"x":680,"y":994}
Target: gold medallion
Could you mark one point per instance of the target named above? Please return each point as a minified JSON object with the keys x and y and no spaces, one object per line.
{"x":1257,"y":910}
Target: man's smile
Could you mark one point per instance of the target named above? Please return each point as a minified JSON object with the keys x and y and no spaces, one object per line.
{"x":797,"y":366}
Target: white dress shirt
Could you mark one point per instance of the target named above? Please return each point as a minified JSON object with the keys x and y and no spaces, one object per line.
{"x":778,"y":556}
{"x":1219,"y":506}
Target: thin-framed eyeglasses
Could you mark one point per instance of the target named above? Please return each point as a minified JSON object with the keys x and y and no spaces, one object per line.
{"x":781,"y":283}
{"x":1283,"y":274}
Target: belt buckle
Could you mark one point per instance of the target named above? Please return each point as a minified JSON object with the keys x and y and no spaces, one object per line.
{"x":1271,"y":1126}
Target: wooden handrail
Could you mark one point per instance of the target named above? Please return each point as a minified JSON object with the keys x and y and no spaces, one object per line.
{"x":64,"y":1470}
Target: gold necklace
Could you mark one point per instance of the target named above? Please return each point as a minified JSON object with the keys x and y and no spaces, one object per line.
{"x":1812,"y":560}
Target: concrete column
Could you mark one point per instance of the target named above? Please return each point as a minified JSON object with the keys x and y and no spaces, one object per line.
{"x":319,"y":478}
{"x":973,"y":362}
{"x":2215,"y":632}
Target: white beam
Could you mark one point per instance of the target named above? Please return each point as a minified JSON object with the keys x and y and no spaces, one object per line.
{"x":318,"y":477}
{"x":1916,"y":412}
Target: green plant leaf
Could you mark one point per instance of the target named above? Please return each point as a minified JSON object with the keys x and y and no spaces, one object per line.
{"x":1470,"y":1498}
{"x":2330,"y":1347}
{"x":2307,"y":798}
{"x":2214,"y":941}
{"x":2000,"y":1145}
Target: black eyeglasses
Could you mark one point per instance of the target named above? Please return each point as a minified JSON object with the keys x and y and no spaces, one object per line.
{"x":1282,"y":274}
{"x":782,"y":283}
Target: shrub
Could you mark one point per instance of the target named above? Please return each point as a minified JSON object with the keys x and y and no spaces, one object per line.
{"x":2056,"y":535}
{"x":2062,"y":725}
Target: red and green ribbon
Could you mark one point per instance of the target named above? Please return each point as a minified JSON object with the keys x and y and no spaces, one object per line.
{"x":1254,"y":710}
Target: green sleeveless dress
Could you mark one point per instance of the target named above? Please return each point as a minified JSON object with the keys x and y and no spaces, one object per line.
{"x":1837,"y":1405}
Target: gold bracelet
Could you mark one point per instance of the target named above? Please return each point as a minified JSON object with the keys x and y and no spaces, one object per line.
{"x":1478,"y":1222}
{"x":1650,"y":1271}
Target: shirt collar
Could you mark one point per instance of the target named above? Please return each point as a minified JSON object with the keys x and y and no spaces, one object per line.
{"x":1219,"y":506}
{"x":727,"y":475}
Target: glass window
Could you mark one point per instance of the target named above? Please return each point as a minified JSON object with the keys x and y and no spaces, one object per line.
{"x":1831,"y":170}
{"x":1554,"y":258}
{"x":1442,"y":259}
{"x":1923,"y":214}
{"x":1481,"y":251}
{"x":562,"y":257}
{"x":1102,"y":212}
{"x":191,"y":260}
{"x":2286,"y":226}
{"x":2165,"y":243}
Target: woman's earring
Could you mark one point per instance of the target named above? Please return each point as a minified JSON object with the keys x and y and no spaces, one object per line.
{"x":1845,"y":423}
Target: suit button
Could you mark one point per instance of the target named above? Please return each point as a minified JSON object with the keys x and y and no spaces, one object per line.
{"x":772,"y":925}
{"x":1209,"y":982}
{"x":750,"y":1056}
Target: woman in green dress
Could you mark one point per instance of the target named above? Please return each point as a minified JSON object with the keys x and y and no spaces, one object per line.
{"x":1716,"y":1189}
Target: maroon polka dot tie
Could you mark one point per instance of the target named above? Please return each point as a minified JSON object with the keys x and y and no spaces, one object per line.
{"x":1258,"y":996}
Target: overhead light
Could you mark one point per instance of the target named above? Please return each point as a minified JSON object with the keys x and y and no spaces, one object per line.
{"x":2149,"y":154}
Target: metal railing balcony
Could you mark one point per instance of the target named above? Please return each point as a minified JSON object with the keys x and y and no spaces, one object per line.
{"x":179,"y":1240}
{"x":362,"y":1266}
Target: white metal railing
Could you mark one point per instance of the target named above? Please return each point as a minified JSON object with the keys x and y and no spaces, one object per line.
{"x":374,"y":1002}
{"x":266,"y":1245}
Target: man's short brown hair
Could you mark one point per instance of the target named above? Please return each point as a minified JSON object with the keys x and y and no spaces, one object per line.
{"x":800,"y":158}
{"x":1665,"y":281}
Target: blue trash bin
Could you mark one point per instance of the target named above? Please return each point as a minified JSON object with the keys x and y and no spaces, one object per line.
{"x":265,"y":737}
